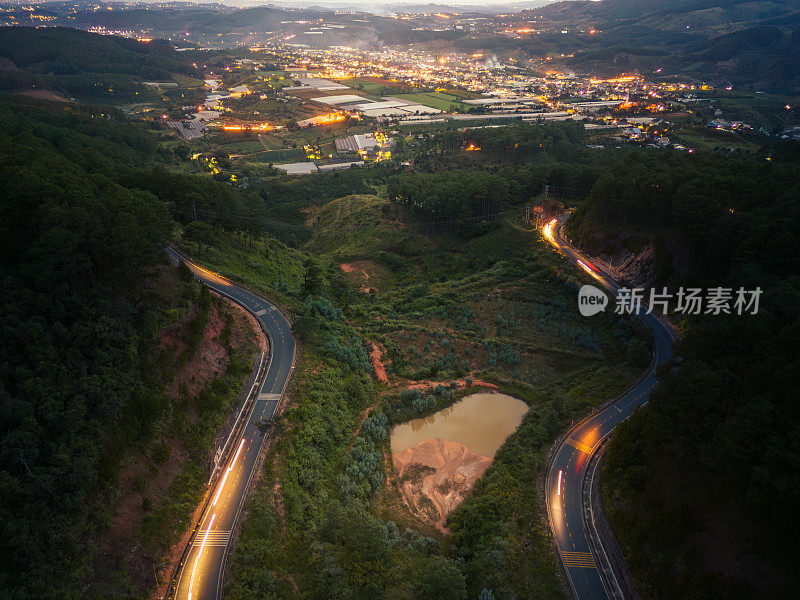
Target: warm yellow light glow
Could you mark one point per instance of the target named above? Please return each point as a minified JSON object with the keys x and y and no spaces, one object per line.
{"x":322,"y":119}
{"x":254,"y":127}
{"x":590,"y":439}
{"x":210,"y":275}
{"x":227,"y":472}
{"x":199,"y":553}
{"x":621,"y":79}
{"x":547,"y":230}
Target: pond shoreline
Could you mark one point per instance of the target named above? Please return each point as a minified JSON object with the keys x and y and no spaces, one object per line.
{"x":481,"y":421}
{"x":439,"y":458}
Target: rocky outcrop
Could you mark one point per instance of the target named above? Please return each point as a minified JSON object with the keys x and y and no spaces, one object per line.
{"x":633,"y":268}
{"x":435,"y":475}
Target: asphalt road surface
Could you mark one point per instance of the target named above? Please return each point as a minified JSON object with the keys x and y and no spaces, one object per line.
{"x":569,"y":466}
{"x":200,"y":574}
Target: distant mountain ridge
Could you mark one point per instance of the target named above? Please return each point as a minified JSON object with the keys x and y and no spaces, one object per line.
{"x":761,"y":55}
{"x":698,"y":16}
{"x":467,"y":7}
{"x":743,"y":42}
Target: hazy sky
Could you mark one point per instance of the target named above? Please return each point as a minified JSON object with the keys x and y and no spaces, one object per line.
{"x":365,"y":4}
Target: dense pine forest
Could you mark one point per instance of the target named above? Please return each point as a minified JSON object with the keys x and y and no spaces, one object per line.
{"x":89,"y":67}
{"x":76,"y":249}
{"x":711,"y":456}
{"x":81,"y":256}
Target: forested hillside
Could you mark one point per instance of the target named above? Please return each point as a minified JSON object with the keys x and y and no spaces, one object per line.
{"x":711,"y":218}
{"x":703,"y":16}
{"x":84,"y":297}
{"x":711,"y":461}
{"x":88,"y":66}
{"x":74,"y":248}
{"x":752,"y":44}
{"x":452,"y":190}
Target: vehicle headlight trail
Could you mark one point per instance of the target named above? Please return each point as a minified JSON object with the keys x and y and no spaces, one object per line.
{"x":199,"y":554}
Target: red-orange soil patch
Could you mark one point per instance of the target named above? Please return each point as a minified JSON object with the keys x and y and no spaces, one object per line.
{"x":461,"y":383}
{"x":361,"y":273}
{"x":141,"y":478}
{"x":376,"y":355}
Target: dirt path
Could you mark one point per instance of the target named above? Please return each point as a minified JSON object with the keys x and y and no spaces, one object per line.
{"x":376,"y":355}
{"x":424,"y":386}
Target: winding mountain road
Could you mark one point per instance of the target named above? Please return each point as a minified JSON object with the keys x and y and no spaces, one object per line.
{"x":200,"y":574}
{"x":571,"y":458}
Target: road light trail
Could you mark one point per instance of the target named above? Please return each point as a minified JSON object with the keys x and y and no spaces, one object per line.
{"x":548,"y":230}
{"x":199,"y":554}
{"x":227,"y":472}
{"x":205,"y":274}
{"x":199,"y":575}
{"x":573,"y":453}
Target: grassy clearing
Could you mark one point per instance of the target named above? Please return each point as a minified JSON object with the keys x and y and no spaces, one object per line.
{"x":440,"y":100}
{"x":185,"y":81}
{"x":278,"y":156}
{"x":369,"y":275}
{"x":376,"y":86}
{"x":355,"y":227}
{"x":265,"y":264}
{"x":244,"y":147}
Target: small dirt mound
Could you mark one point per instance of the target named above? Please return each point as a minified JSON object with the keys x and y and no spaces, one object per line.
{"x":435,"y":475}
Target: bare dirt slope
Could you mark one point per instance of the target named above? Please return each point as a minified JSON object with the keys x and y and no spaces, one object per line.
{"x":435,"y":475}
{"x":144,"y":478}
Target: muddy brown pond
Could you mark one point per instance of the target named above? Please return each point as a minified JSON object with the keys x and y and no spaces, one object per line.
{"x":482,"y":422}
